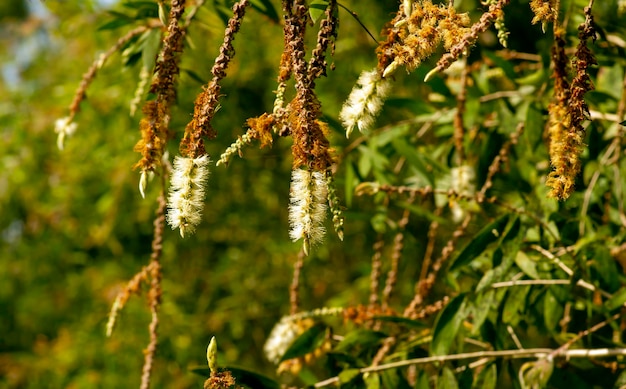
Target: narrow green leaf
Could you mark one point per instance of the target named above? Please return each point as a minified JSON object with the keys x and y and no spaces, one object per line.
{"x":423,"y":212}
{"x":266,"y":8}
{"x":479,"y":243}
{"x":448,"y":325}
{"x":194,"y":76}
{"x":150,"y":48}
{"x":305,"y":343}
{"x":501,"y":63}
{"x":361,"y":337}
{"x":447,"y":380}
{"x":348,"y":375}
{"x":606,"y":266}
{"x":414,"y":158}
{"x":617,"y":300}
{"x":115,"y":23}
{"x":487,"y":378}
{"x":372,"y":381}
{"x":401,"y":320}
{"x":484,"y":304}
{"x":515,"y":304}
{"x":422,"y":380}
{"x":527,"y":265}
{"x":552,"y":311}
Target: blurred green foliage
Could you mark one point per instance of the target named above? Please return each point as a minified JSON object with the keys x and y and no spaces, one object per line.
{"x":74,"y":230}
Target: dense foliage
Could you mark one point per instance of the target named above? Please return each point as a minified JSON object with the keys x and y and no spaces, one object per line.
{"x":468,"y":232}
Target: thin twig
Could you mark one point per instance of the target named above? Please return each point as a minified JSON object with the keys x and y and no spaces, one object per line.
{"x":532,"y":353}
{"x":294,"y":289}
{"x":90,"y":74}
{"x":356,"y":17}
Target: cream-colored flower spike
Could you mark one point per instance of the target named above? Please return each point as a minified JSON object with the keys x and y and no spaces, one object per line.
{"x":186,"y":197}
{"x":307,"y":208}
{"x":364,"y":102}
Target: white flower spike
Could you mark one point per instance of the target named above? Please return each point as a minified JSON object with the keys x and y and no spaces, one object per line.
{"x":364,"y":102}
{"x":186,"y":197}
{"x":307,"y":208}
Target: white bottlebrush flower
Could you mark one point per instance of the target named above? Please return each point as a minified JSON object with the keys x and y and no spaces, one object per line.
{"x":364,"y":102}
{"x":284,"y":333}
{"x":307,"y":208}
{"x":65,"y":128}
{"x":186,"y":197}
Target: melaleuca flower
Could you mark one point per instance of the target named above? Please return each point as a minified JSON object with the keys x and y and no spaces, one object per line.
{"x":283,"y":335}
{"x":364,"y":102}
{"x":307,"y":208}
{"x":186,"y":197}
{"x":65,"y":128}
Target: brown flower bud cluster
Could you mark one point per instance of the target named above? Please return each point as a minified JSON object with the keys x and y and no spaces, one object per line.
{"x":569,"y":111}
{"x":545,"y":10}
{"x":416,"y":33}
{"x":192,"y":144}
{"x":154,"y":125}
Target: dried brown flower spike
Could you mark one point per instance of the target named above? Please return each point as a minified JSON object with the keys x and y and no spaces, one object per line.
{"x":569,"y":111}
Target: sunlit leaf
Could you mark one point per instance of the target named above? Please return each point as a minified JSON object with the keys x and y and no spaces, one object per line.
{"x":447,"y":326}
{"x":348,"y":375}
{"x":447,"y":380}
{"x":307,"y":342}
{"x":360,"y":337}
{"x":489,"y":234}
{"x":317,"y":8}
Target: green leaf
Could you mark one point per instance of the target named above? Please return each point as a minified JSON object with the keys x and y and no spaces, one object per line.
{"x":552,"y":311}
{"x":527,"y":265}
{"x":305,"y":343}
{"x":448,"y":325}
{"x":414,"y":158}
{"x":266,"y":8}
{"x":533,"y":129}
{"x":487,"y":378}
{"x":401,"y":320}
{"x":150,"y":48}
{"x":484,"y":304}
{"x":422,"y":211}
{"x":503,"y":64}
{"x":242,"y":377}
{"x":194,"y":76}
{"x":479,"y":243}
{"x":372,"y":380}
{"x":348,"y":375}
{"x":361,"y":337}
{"x":116,"y":23}
{"x":515,"y":304}
{"x":317,"y":8}
{"x":606,"y":266}
{"x":447,"y":380}
{"x":422,"y":380}
{"x":617,"y":300}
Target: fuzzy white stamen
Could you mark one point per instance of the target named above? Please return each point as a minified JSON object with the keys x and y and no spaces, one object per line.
{"x":65,"y":128}
{"x":307,"y":208}
{"x":364,"y":102}
{"x":284,"y":333}
{"x":186,"y":198}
